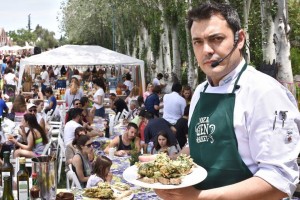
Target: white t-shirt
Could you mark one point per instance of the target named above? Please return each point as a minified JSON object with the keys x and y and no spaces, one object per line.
{"x":129,"y":84}
{"x":69,"y":131}
{"x":45,"y":76}
{"x":99,"y":92}
{"x":262,"y":141}
{"x":174,"y":105}
{"x":93,"y":181}
{"x":156,"y":82}
{"x":9,"y":79}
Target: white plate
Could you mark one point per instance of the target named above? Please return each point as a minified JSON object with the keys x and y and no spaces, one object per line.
{"x":198,"y":175}
{"x":116,"y":191}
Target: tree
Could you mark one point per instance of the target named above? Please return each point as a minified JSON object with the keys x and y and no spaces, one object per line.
{"x":282,"y":45}
{"x":268,"y":12}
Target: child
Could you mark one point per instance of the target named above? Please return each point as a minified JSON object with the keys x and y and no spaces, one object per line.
{"x":162,"y":144}
{"x":101,"y":171}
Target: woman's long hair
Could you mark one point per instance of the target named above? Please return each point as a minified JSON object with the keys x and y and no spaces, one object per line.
{"x":19,"y":104}
{"x":100,"y":165}
{"x":156,"y":143}
{"x":100,"y":83}
{"x":33,"y":124}
{"x":80,"y":141}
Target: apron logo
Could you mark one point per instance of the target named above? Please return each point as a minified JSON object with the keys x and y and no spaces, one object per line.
{"x":204,"y":130}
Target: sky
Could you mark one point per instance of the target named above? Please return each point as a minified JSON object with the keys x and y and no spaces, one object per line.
{"x":42,"y":12}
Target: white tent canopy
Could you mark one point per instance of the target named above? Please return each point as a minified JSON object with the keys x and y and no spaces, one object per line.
{"x":81,"y":55}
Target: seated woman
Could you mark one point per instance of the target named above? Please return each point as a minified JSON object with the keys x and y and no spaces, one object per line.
{"x":162,"y":144}
{"x":86,"y":116}
{"x":80,"y":162}
{"x":18,"y":107}
{"x":40,"y":115}
{"x":101,"y":171}
{"x":36,"y":138}
{"x":51,"y":100}
{"x":37,"y":94}
{"x":71,"y":148}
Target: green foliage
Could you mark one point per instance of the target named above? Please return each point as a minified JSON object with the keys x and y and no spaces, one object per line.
{"x":295,"y":59}
{"x":254,"y":25}
{"x":21,"y":36}
{"x":294,"y":20}
{"x":40,"y":36}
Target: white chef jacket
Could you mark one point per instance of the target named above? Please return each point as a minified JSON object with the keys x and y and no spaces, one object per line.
{"x":270,"y":154}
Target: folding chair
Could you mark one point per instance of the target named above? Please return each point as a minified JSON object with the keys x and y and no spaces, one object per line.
{"x":117,"y":118}
{"x":124,"y":114}
{"x":56,"y":140}
{"x":72,"y":177}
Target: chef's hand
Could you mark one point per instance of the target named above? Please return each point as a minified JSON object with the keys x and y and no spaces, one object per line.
{"x":178,"y":194}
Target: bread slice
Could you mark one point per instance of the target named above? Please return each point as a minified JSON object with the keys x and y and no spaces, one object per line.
{"x":148,"y":180}
{"x":175,"y":181}
{"x":164,"y":181}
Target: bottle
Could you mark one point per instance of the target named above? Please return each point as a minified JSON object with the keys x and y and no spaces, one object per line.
{"x":7,"y":189}
{"x":149,"y":147}
{"x":7,"y":168}
{"x":35,"y":190}
{"x":22,"y":180}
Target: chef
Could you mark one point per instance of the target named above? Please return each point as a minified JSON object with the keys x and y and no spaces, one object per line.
{"x":244,"y":125}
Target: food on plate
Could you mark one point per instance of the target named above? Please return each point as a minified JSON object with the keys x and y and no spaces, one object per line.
{"x":104,"y":185}
{"x":165,"y":170}
{"x":121,"y":186}
{"x":104,"y":191}
{"x":99,"y":193}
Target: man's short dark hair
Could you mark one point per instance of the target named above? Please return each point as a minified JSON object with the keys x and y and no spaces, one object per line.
{"x":112,"y":94}
{"x":176,"y":87}
{"x":160,"y":75}
{"x":74,"y":112}
{"x":156,"y":89}
{"x":206,"y":10}
{"x":84,"y":100}
{"x":142,"y":112}
{"x":149,"y":115}
{"x":73,"y":102}
{"x":130,"y":124}
{"x":49,"y":90}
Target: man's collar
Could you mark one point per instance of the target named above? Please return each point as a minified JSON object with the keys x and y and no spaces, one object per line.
{"x":232,"y":75}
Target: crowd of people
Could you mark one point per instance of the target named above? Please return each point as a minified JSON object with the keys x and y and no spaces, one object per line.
{"x":240,"y":124}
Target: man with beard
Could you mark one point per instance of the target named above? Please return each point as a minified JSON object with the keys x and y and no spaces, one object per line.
{"x":123,"y":142}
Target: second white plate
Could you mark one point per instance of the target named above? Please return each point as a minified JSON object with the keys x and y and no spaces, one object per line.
{"x":198,"y":175}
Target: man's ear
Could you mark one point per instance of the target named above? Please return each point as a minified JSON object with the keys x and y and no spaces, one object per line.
{"x":241,"y":35}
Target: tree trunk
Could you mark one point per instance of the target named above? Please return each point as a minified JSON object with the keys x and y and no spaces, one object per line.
{"x":192,"y":75}
{"x":166,"y":52}
{"x":127,"y":47}
{"x":134,"y":47}
{"x":176,"y":52}
{"x":268,"y":47}
{"x":247,"y":4}
{"x":282,"y":47}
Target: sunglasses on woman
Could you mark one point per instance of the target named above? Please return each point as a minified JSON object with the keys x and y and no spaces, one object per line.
{"x":89,"y":145}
